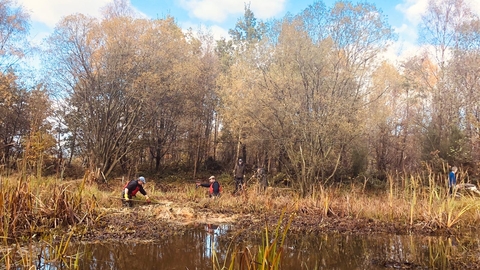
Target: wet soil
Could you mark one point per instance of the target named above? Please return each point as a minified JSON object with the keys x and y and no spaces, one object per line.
{"x":155,"y":221}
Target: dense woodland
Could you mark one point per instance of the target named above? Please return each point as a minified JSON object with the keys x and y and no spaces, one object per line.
{"x":310,"y":96}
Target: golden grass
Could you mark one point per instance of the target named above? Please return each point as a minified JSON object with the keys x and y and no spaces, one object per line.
{"x":34,"y":210}
{"x":411,"y":201}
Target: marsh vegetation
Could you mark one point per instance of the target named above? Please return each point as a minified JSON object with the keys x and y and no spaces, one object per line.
{"x":48,"y":214}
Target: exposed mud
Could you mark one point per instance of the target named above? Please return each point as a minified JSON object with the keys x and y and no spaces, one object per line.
{"x":153,"y":222}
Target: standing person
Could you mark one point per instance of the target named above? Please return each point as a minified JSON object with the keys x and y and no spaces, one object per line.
{"x":131,"y":189}
{"x":452,"y":180}
{"x":262,"y":178}
{"x":239,"y":175}
{"x":214,"y":187}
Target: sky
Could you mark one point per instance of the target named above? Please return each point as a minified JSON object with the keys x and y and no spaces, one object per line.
{"x":221,"y":15}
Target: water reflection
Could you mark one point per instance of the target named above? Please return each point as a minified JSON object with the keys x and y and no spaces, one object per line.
{"x":211,"y":239}
{"x":190,"y":250}
{"x":195,"y":249}
{"x":335,"y":251}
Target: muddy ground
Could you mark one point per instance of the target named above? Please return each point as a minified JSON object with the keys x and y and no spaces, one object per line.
{"x":155,"y":221}
{"x":172,"y":215}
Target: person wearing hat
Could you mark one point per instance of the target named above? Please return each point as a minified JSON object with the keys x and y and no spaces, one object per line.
{"x":239,"y":175}
{"x":214,"y":187}
{"x":131,"y":189}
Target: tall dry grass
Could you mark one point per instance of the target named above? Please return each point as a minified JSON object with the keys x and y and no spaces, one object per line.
{"x":411,"y":201}
{"x":37,"y":210}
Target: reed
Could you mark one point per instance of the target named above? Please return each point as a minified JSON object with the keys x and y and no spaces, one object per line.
{"x":268,"y":255}
{"x":35,"y":210}
{"x":413,"y":193}
{"x":409,"y":200}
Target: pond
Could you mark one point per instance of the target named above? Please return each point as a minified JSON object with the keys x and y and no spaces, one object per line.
{"x":195,"y":248}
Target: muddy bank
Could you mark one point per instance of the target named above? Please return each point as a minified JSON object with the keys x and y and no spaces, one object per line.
{"x":156,"y":222}
{"x":153,"y":222}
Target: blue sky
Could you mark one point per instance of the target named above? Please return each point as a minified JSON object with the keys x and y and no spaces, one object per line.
{"x":220,"y":15}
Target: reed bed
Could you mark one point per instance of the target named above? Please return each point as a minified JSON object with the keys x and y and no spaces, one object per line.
{"x":409,"y":201}
{"x":42,"y":214}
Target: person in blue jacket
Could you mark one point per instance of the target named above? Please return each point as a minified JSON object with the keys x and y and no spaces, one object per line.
{"x":452,"y":180}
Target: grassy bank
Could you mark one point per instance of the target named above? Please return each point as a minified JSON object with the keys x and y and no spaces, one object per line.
{"x":411,"y":201}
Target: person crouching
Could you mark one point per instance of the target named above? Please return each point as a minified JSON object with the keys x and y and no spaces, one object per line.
{"x":130,"y":190}
{"x":214,"y":187}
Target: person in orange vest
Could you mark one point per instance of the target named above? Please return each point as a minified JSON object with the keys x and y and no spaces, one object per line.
{"x":214,"y":187}
{"x":131,"y":189}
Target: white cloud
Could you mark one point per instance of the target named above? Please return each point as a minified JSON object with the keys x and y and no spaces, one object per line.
{"x":220,"y":10}
{"x":406,"y":32}
{"x":219,"y":32}
{"x":267,"y":9}
{"x":216,"y":31}
{"x":413,"y":9}
{"x":398,"y":51}
{"x":475,"y":5}
{"x":49,"y":12}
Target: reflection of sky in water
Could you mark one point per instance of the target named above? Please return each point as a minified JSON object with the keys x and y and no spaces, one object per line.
{"x":194,"y":249}
{"x":211,"y":238}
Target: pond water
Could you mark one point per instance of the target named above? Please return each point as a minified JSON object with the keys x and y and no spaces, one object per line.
{"x":194,"y":249}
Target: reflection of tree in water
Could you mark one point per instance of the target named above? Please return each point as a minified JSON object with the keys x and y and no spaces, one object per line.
{"x":343,"y":251}
{"x":192,"y":249}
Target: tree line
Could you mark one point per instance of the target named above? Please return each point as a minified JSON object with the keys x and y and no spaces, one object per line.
{"x":310,"y":96}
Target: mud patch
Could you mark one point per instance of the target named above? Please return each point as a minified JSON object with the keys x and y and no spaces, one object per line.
{"x":151,"y":222}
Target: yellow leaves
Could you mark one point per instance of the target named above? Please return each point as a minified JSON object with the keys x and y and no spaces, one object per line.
{"x":386,"y":87}
{"x":39,"y":108}
{"x":38,"y":144}
{"x":430,"y":71}
{"x":6,"y":85}
{"x":386,"y":76}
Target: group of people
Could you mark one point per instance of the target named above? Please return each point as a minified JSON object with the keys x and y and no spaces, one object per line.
{"x":133,"y":187}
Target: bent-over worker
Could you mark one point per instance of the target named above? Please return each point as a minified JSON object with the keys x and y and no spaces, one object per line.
{"x":131,"y":189}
